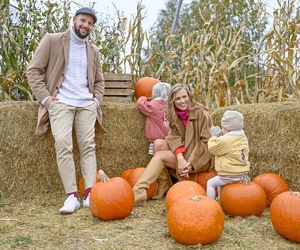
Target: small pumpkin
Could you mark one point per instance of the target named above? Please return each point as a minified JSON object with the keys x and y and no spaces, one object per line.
{"x":285,"y":215}
{"x":82,"y":186}
{"x":195,"y":219}
{"x":183,"y":188}
{"x":143,"y":86}
{"x":111,"y":199}
{"x":126,"y":173}
{"x":203,"y":177}
{"x":243,"y":199}
{"x":132,"y":177}
{"x":272,"y":184}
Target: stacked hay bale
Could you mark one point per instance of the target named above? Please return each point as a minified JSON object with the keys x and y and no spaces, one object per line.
{"x":28,"y":163}
{"x":273,"y":130}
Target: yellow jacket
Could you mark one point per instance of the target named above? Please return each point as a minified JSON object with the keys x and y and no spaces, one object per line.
{"x":231,"y":153}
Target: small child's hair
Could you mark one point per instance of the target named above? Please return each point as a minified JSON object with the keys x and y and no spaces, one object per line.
{"x":160,"y":91}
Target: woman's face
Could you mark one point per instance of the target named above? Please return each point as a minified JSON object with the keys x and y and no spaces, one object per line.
{"x":182,"y":99}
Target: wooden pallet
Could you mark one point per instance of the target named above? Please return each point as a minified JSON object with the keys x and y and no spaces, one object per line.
{"x":118,"y":87}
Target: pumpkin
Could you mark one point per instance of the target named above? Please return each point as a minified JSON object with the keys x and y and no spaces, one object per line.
{"x":272,"y":184}
{"x":81,"y":184}
{"x":143,"y":86}
{"x":133,"y":176}
{"x":195,"y":220}
{"x":126,"y":173}
{"x":285,"y":215}
{"x":183,"y":188}
{"x":111,"y":199}
{"x":203,"y":177}
{"x":243,"y":199}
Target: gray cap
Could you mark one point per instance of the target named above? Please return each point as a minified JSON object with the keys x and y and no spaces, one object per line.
{"x":232,"y":120}
{"x":87,"y":11}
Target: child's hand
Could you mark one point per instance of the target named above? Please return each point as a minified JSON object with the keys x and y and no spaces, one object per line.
{"x":215,"y":130}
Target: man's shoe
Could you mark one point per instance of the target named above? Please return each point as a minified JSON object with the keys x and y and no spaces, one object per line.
{"x":71,"y":204}
{"x":86,"y":202}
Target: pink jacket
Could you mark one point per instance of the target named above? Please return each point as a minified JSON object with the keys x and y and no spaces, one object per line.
{"x":157,"y":126}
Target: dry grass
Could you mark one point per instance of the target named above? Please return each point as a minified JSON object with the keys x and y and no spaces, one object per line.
{"x":36,"y":224}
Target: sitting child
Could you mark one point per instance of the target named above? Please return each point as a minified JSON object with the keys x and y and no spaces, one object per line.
{"x":157,"y":125}
{"x":231,"y":149}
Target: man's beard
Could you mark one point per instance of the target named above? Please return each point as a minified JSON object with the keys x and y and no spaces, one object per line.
{"x":77,"y":32}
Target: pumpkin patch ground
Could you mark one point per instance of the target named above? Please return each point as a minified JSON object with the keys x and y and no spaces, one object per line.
{"x":36,"y":224}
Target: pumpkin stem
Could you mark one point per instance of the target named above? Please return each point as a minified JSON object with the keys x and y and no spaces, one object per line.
{"x":103,"y":175}
{"x":195,"y":198}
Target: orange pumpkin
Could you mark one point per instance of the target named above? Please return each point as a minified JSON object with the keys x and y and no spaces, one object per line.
{"x":134,"y":175}
{"x":144,"y":86}
{"x":285,"y":215}
{"x":272,"y":184}
{"x":203,"y":177}
{"x":81,"y":184}
{"x":183,"y":188}
{"x":195,"y":220}
{"x":126,"y":173}
{"x":243,"y":199}
{"x":111,"y":199}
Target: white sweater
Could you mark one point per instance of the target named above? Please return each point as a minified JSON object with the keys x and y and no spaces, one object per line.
{"x":74,"y":89}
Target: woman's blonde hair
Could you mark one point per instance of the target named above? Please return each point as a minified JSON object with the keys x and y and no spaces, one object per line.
{"x":172,"y":116}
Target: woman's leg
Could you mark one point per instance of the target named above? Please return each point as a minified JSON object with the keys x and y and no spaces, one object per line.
{"x":212,"y":184}
{"x":152,"y":173}
{"x":160,"y":145}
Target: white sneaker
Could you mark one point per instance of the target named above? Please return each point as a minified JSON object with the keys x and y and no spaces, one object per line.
{"x":71,"y":204}
{"x":86,"y":202}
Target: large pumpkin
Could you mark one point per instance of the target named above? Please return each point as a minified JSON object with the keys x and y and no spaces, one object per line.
{"x":143,"y":86}
{"x":111,"y":199}
{"x":285,"y":215}
{"x":195,"y":220}
{"x":272,"y":184}
{"x":82,"y":186}
{"x":183,"y":188}
{"x":203,"y":177}
{"x":132,"y":177}
{"x":243,"y":199}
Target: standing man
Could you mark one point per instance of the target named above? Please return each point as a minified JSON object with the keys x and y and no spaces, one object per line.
{"x":66,"y":78}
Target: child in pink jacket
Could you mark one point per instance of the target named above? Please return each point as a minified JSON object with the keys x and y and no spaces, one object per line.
{"x":155,"y":110}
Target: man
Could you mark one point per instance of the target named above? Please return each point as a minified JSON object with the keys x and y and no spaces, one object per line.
{"x":66,"y":78}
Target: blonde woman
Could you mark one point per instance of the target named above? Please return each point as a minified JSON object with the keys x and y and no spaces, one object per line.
{"x":185,"y":147}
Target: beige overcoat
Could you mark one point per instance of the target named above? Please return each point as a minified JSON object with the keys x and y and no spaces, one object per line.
{"x":194,"y":138}
{"x":46,"y":70}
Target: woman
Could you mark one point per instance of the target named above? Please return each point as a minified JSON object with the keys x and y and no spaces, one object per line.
{"x":185,"y":148}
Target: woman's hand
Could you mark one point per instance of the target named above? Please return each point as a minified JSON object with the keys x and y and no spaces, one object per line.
{"x":184,"y":167}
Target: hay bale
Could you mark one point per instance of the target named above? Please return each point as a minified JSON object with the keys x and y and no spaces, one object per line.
{"x":273,"y":130}
{"x":28,"y":162}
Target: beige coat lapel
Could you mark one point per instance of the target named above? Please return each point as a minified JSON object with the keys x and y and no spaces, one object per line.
{"x":90,"y":59}
{"x":189,"y":129}
{"x":66,"y":48}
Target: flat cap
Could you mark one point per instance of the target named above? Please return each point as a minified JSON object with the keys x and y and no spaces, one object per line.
{"x":87,"y":11}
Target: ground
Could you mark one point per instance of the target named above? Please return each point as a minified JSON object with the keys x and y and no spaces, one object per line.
{"x":36,"y":224}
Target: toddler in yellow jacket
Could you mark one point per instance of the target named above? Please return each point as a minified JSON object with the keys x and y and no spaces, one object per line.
{"x":231,"y":148}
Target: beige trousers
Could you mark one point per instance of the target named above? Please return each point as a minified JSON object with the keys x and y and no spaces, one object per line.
{"x":63,"y":118}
